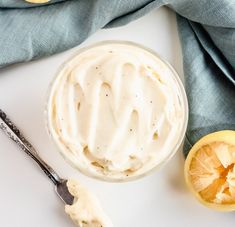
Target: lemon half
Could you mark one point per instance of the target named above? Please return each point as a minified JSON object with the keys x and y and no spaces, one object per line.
{"x":37,"y":1}
{"x":210,"y":171}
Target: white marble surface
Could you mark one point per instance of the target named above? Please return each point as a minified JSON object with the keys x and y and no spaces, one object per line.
{"x":27,"y":196}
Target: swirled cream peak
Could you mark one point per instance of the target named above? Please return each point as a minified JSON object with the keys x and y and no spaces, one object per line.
{"x":115,"y":110}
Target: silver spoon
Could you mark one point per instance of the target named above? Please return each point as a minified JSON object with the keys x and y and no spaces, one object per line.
{"x":14,"y":133}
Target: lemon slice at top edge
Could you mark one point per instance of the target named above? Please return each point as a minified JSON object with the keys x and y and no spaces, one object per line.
{"x":210,"y":171}
{"x":37,"y":1}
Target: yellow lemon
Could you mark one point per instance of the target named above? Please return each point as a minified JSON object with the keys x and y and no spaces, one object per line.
{"x":37,"y":1}
{"x":210,"y":171}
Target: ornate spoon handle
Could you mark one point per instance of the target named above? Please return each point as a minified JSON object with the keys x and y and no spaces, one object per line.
{"x":14,"y":134}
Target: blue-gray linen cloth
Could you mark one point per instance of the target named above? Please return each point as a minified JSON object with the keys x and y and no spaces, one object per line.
{"x":206,"y":29}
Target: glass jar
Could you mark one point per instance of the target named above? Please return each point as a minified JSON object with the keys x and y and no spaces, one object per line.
{"x":77,"y":161}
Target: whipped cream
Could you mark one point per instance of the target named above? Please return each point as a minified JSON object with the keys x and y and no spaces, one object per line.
{"x":86,"y":210}
{"x":116,"y":111}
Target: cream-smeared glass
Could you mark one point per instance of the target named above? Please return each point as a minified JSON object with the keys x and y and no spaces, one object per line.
{"x":116,"y":111}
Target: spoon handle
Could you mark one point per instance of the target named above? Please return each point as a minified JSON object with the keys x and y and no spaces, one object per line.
{"x":14,"y":134}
